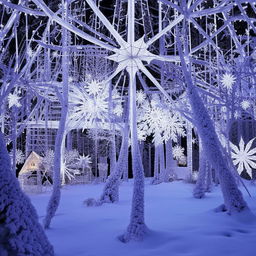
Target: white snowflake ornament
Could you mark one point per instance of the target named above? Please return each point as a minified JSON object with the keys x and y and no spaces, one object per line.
{"x":228,"y":80}
{"x":245,"y":104}
{"x":178,"y":152}
{"x":118,"y":110}
{"x":140,"y":97}
{"x":13,"y":100}
{"x":94,"y":87}
{"x":244,"y":156}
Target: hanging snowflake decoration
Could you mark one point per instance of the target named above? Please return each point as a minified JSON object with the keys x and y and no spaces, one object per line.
{"x":84,"y":161}
{"x":140,"y":97}
{"x":13,"y":100}
{"x":118,"y":110}
{"x":48,"y":161}
{"x":87,"y":108}
{"x":228,"y":80}
{"x":94,"y":87}
{"x":70,"y":164}
{"x":173,"y":126}
{"x":142,"y":135}
{"x":244,"y":156}
{"x":178,"y":152}
{"x":89,"y":103}
{"x":20,"y":157}
{"x":156,"y":118}
{"x":245,"y":104}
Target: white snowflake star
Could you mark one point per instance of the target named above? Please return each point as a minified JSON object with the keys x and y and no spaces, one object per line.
{"x":178,"y":152}
{"x":228,"y":80}
{"x":245,"y":104}
{"x":84,"y":161}
{"x":158,"y":120}
{"x":118,"y":110}
{"x":20,"y":157}
{"x":94,"y":87}
{"x":85,"y":108}
{"x":13,"y":100}
{"x":141,"y":97}
{"x":244,"y":156}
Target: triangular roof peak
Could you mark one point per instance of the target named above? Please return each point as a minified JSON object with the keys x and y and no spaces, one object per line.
{"x":32,"y":163}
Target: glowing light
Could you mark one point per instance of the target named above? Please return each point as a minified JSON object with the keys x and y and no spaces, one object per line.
{"x":228,"y":80}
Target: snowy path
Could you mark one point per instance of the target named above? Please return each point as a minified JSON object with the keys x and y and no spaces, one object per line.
{"x":179,"y":224}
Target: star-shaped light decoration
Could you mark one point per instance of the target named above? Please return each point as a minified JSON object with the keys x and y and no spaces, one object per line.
{"x":140,"y":97}
{"x":228,"y":80}
{"x":245,"y":104}
{"x":85,"y":161}
{"x":86,"y":108}
{"x":131,"y":55}
{"x":244,"y":156}
{"x":13,"y":100}
{"x":118,"y":110}
{"x":94,"y":87}
{"x":178,"y":152}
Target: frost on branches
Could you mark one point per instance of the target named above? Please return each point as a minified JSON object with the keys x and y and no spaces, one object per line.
{"x":20,"y":231}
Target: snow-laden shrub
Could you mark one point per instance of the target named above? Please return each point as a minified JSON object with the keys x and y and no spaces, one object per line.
{"x":20,"y":232}
{"x":92,"y":202}
{"x":191,"y":178}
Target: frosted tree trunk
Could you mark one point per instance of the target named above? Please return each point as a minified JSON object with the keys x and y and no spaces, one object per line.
{"x":170,"y":162}
{"x":199,"y":190}
{"x":208,"y":185}
{"x":55,"y":197}
{"x":14,"y":138}
{"x":137,"y":228}
{"x":111,"y":190}
{"x":189,"y":148}
{"x":113,"y":152}
{"x":20,"y":231}
{"x":233,"y":199}
{"x":62,"y":160}
{"x":156,"y":163}
{"x":162,"y":162}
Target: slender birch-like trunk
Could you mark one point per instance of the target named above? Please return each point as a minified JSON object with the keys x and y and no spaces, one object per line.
{"x":233,"y":199}
{"x":56,"y":193}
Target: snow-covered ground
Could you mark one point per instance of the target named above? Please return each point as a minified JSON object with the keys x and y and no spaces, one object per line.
{"x":178,"y":223}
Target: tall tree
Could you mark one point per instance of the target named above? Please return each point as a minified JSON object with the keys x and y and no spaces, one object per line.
{"x":233,"y":199}
{"x":20,"y":231}
{"x":58,"y":152}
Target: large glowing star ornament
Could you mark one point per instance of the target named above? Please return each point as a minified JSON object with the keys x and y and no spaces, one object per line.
{"x":131,"y":55}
